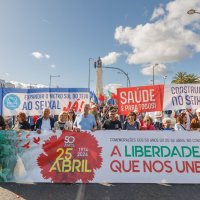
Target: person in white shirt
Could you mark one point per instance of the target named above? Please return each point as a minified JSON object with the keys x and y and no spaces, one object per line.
{"x":45,"y":123}
{"x":181,"y":122}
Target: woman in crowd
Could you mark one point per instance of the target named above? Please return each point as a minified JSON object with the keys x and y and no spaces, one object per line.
{"x":104,"y":114}
{"x":195,"y":123}
{"x":131,"y":123}
{"x":167,"y":123}
{"x":181,"y":121}
{"x":148,"y":123}
{"x":63,"y":123}
{"x":2,"y":123}
{"x":22,"y":123}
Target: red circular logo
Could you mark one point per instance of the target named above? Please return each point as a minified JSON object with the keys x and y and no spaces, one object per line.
{"x":71,"y":157}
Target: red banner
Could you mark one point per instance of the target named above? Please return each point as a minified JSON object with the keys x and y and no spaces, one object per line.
{"x":142,"y":99}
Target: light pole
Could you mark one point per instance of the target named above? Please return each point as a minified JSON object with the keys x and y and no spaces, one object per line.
{"x":164,"y":78}
{"x":123,"y":72}
{"x":52,"y":76}
{"x":89,"y":72}
{"x":153,"y":71}
{"x":192,"y":11}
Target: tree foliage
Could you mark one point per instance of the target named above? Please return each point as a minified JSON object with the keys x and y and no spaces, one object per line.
{"x":183,"y":77}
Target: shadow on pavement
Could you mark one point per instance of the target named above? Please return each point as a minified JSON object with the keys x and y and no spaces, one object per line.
{"x":100,"y":192}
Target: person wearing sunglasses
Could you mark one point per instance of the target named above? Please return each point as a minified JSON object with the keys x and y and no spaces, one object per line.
{"x":148,"y":123}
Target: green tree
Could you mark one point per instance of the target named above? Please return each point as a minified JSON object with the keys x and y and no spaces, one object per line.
{"x":183,"y":77}
{"x":180,"y":78}
{"x":192,"y":78}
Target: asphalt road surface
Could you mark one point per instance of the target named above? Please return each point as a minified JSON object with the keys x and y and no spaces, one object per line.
{"x":14,"y":191}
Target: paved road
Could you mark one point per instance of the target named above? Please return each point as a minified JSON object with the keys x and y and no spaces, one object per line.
{"x":13,"y":191}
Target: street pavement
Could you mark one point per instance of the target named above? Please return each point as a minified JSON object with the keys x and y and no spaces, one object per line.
{"x":42,"y":191}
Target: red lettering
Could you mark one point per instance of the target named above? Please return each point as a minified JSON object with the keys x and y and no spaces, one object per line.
{"x":115,"y":151}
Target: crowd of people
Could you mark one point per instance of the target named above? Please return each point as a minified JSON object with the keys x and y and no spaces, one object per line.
{"x":95,"y":117}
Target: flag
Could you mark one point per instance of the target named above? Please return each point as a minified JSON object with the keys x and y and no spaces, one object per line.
{"x":101,"y":97}
{"x":93,"y":97}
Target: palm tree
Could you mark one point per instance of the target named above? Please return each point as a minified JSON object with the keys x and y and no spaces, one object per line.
{"x":192,"y":78}
{"x":180,"y":78}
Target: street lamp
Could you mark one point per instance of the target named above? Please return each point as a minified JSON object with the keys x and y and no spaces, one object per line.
{"x":123,"y":72}
{"x":192,"y":11}
{"x":52,"y":76}
{"x":164,"y":78}
{"x":89,"y":72}
{"x":153,"y":71}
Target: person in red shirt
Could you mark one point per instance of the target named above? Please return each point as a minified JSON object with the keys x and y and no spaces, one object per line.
{"x":148,"y":124}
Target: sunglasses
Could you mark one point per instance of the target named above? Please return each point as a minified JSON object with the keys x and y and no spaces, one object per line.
{"x":147,"y":120}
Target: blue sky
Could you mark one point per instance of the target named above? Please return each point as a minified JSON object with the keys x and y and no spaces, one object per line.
{"x":39,"y":38}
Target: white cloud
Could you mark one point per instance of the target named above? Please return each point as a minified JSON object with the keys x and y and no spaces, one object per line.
{"x":37,"y":55}
{"x":158,"y":70}
{"x":112,"y":87}
{"x":166,"y":40}
{"x":111,"y":58}
{"x":27,"y":85}
{"x":53,"y":66}
{"x":158,"y":12}
{"x":7,"y":74}
{"x":47,"y":56}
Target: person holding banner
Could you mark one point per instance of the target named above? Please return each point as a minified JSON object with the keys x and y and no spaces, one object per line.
{"x":195,"y":123}
{"x":45,"y":123}
{"x":167,"y":123}
{"x":181,"y":122}
{"x":148,"y":124}
{"x":2,"y":123}
{"x":131,"y":123}
{"x":85,"y":121}
{"x":21,"y":123}
{"x":112,"y":123}
{"x":71,"y":116}
{"x":63,"y":123}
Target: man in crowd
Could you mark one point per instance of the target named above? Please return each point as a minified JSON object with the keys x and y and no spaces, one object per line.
{"x":112,"y":123}
{"x":45,"y":123}
{"x":85,"y":121}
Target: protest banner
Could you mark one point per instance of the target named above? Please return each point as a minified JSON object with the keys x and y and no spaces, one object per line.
{"x":1,"y":97}
{"x":142,"y":99}
{"x":181,"y":96}
{"x":33,"y":101}
{"x":102,"y":156}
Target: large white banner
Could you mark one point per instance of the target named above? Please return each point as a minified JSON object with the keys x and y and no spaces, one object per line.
{"x":101,"y":156}
{"x":33,"y":101}
{"x":181,"y":96}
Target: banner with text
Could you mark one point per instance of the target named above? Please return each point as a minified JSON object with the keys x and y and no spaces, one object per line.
{"x":142,"y":99}
{"x":102,"y":156}
{"x":33,"y":101}
{"x":181,"y":96}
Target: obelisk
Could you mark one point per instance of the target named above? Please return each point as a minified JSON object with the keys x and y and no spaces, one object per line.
{"x":99,"y":77}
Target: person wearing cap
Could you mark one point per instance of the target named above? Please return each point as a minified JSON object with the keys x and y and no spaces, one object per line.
{"x":158,"y":120}
{"x":195,"y":123}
